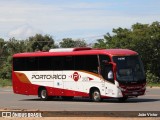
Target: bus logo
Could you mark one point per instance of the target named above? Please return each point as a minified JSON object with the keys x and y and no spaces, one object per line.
{"x":76,"y":76}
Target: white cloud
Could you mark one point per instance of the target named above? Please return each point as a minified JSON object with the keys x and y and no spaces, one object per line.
{"x":23,"y":32}
{"x":68,"y":17}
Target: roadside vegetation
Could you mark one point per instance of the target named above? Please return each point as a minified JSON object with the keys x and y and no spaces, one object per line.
{"x":142,"y":38}
{"x":5,"y":82}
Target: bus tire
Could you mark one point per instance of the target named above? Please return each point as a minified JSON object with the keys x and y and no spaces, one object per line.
{"x":44,"y":95}
{"x":95,"y":95}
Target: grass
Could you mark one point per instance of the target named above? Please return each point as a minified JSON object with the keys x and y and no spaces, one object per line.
{"x":153,"y":84}
{"x":5,"y":82}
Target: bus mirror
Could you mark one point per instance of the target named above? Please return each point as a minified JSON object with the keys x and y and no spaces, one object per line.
{"x":110,"y":75}
{"x":114,"y":66}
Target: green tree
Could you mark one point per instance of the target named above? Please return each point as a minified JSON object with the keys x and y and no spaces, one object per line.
{"x":1,"y":45}
{"x":70,"y":43}
{"x":15,"y":46}
{"x":101,"y":43}
{"x":9,"y":48}
{"x":143,"y":38}
{"x":40,"y":43}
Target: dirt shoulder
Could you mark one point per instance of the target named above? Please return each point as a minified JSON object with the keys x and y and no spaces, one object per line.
{"x":72,"y":118}
{"x":80,"y":118}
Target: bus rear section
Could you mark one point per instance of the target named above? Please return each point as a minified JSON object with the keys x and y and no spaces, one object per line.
{"x":97,"y":74}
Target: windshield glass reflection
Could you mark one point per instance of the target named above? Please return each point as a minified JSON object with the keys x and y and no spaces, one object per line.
{"x":129,"y":68}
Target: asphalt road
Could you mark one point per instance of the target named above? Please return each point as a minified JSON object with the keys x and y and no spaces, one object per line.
{"x":148,"y":102}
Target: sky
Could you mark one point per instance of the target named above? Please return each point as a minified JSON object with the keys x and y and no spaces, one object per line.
{"x":77,"y":19}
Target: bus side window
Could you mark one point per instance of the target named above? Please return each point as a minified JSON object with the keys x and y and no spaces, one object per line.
{"x":19,"y":64}
{"x":68,"y":63}
{"x":57,"y":63}
{"x":32,"y":63}
{"x":91,"y":63}
{"x":45,"y":63}
{"x":79,"y":62}
{"x":87,"y":63}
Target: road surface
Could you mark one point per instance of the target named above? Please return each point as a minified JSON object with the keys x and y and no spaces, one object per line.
{"x":148,"y":102}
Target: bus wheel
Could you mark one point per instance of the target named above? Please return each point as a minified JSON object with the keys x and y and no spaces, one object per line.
{"x":122,"y":99}
{"x":96,"y":96}
{"x":43,"y":94}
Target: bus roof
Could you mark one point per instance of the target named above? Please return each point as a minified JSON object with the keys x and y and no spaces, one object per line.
{"x":78,"y":51}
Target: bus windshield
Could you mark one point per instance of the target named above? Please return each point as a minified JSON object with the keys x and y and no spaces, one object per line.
{"x":129,"y":68}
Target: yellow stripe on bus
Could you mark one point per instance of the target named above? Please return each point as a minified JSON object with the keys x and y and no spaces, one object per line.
{"x":22,"y":77}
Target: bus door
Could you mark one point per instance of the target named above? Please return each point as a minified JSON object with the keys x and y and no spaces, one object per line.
{"x":109,"y":80}
{"x":106,"y":70}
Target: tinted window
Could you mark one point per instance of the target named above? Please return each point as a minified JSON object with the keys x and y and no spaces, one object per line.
{"x":104,"y":58}
{"x":129,"y":68}
{"x":88,"y":63}
{"x":79,"y":62}
{"x":68,"y":63}
{"x":32,"y":63}
{"x":103,"y":67}
{"x":57,"y":63}
{"x":25,"y":64}
{"x":91,"y":63}
{"x":45,"y":63}
{"x":19,"y":64}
